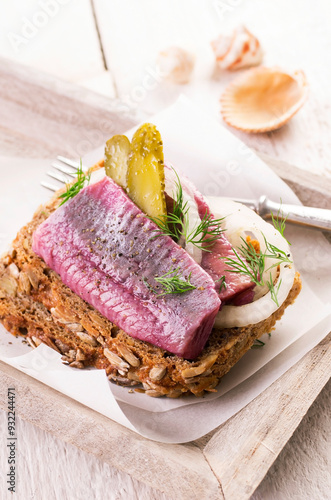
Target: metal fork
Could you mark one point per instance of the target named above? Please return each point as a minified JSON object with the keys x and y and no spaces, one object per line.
{"x":66,"y":174}
{"x":309,"y":217}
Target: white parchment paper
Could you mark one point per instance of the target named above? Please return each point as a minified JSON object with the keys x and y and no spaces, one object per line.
{"x":220,"y":165}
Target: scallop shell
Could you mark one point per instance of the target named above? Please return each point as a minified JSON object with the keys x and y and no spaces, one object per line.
{"x":241,"y":49}
{"x":263,"y":99}
{"x":176,"y":64}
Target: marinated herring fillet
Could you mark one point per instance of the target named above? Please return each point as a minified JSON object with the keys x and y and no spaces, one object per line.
{"x":236,"y":289}
{"x":105,"y":250}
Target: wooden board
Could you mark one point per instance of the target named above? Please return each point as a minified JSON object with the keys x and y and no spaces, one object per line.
{"x":57,"y":116}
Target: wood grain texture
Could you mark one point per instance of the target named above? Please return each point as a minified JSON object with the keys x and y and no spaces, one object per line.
{"x":238,"y":450}
{"x":179,"y":470}
{"x":71,"y":120}
{"x":57,"y":37}
{"x":294,"y":35}
{"x":56,"y":117}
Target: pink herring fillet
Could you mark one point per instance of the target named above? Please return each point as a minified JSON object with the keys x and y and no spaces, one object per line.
{"x":102,"y":247}
{"x":238,"y":289}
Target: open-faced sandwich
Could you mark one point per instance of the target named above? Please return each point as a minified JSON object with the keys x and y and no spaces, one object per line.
{"x":132,"y":270}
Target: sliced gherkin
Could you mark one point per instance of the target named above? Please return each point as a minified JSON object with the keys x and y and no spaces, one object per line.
{"x":117,"y":152}
{"x":145,"y":175}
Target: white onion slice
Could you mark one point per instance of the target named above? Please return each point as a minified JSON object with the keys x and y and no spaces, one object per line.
{"x":239,"y":222}
{"x":193,"y":214}
{"x":97,"y":175}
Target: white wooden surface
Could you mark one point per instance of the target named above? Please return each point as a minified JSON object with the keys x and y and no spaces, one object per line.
{"x":294,"y":35}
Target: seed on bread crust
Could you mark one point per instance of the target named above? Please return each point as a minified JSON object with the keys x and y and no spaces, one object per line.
{"x":32,"y":277}
{"x":76,"y":364}
{"x":24,"y":283}
{"x":194,"y":371}
{"x":8,"y":286}
{"x":116,"y":361}
{"x":128,"y":355}
{"x":80,"y":356}
{"x":85,"y":337}
{"x":157,"y":373}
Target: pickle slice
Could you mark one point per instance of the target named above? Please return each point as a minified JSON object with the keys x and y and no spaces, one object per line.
{"x":145,"y":176}
{"x":117,"y":152}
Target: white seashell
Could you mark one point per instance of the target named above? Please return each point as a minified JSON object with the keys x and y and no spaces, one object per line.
{"x":263,"y":99}
{"x":241,"y":49}
{"x":176,"y":64}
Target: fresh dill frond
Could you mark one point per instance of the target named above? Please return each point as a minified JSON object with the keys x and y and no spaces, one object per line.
{"x":73,"y":189}
{"x":252,"y":263}
{"x":205,"y":233}
{"x":175,"y":224}
{"x":180,"y":208}
{"x":257,"y":344}
{"x":172,"y":282}
{"x":222,"y":282}
{"x":279,"y":221}
{"x":249,"y":262}
{"x":171,"y":224}
{"x":273,"y":290}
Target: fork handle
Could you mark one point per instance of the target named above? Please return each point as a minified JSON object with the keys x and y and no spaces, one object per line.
{"x":314,"y":218}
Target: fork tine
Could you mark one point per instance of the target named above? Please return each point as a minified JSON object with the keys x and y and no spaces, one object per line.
{"x":49,"y":186}
{"x":64,"y":170}
{"x":71,"y":163}
{"x":58,"y":177}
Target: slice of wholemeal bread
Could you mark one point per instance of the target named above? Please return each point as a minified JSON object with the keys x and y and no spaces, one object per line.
{"x":36,"y":304}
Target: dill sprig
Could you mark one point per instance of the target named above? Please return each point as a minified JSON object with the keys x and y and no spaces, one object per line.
{"x":205,"y":233}
{"x":171,"y":224}
{"x":273,"y":290}
{"x":73,"y":189}
{"x":279,"y":221}
{"x":172,"y":282}
{"x":252,"y":263}
{"x":176,"y":223}
{"x":257,"y":344}
{"x":222,"y":282}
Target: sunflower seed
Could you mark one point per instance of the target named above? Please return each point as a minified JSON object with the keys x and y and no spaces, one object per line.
{"x":76,"y":364}
{"x":122,"y":380}
{"x":63,"y":347}
{"x":194,"y":371}
{"x":80,"y":356}
{"x":85,"y":337}
{"x":8,"y":286}
{"x":100,"y":322}
{"x":13,"y":270}
{"x":175,"y":393}
{"x":32,"y":277}
{"x":75,"y":327}
{"x":101,"y":340}
{"x":128,"y":356}
{"x":64,"y":316}
{"x":133,"y":376}
{"x":116,"y":361}
{"x":30,"y":341}
{"x":36,"y":340}
{"x":153,"y":393}
{"x":24,"y":283}
{"x":157,"y":373}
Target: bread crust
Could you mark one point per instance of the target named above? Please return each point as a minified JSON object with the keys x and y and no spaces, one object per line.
{"x":35,"y":304}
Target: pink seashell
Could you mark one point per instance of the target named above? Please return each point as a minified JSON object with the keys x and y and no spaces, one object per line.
{"x":241,"y":49}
